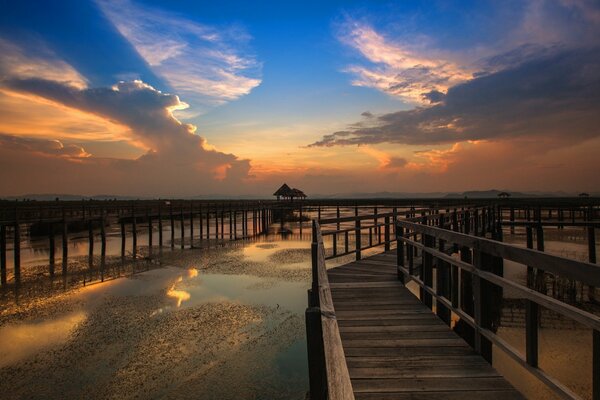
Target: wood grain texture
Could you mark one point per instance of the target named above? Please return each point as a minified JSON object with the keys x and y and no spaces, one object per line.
{"x":396,"y":348}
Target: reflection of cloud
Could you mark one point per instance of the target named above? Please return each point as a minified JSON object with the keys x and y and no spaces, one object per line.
{"x":192,"y":272}
{"x":180,"y":295}
{"x":200,"y":62}
{"x":25,"y":339}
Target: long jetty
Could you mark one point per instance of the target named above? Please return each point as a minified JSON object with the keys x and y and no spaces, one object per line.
{"x":370,"y":337}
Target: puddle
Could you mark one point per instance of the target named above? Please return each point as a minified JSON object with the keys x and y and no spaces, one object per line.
{"x":23,"y":340}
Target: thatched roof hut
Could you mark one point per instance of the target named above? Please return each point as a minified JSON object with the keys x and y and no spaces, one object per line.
{"x":287,"y":193}
{"x":504,"y":195}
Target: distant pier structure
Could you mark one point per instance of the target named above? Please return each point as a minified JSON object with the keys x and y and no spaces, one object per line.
{"x":287,"y":193}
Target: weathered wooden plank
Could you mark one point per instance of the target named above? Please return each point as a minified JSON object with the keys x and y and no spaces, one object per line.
{"x":443,"y":395}
{"x":427,"y":371}
{"x":431,"y":385}
{"x":395,"y":346}
{"x":401,"y":343}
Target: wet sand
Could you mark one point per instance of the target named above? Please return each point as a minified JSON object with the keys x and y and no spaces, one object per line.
{"x":214,"y":324}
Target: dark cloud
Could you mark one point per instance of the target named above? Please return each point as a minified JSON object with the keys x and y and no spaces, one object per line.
{"x":41,"y":146}
{"x":556,"y":94}
{"x":367,"y":114}
{"x":434,"y":96}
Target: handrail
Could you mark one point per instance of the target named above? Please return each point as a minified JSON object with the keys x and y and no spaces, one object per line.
{"x":578,"y":270}
{"x":337,"y":385}
{"x":477,"y":256}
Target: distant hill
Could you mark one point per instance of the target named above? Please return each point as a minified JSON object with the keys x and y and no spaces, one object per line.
{"x":472,"y":194}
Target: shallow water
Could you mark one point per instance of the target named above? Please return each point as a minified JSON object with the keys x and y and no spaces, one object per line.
{"x":189,"y":329}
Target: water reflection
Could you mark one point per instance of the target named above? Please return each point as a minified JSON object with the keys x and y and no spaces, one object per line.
{"x":22,"y":340}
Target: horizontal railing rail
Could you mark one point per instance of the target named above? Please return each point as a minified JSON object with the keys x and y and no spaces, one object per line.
{"x":328,"y":372}
{"x":471,"y":287}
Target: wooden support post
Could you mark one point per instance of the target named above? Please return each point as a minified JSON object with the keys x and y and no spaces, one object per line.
{"x":222,"y":223}
{"x":3,"y":254}
{"x":234,"y":224}
{"x":230,"y":224}
{"x":387,"y":234}
{"x":357,"y":236}
{"x":102,"y":239}
{"x":596,"y":365}
{"x":65,"y":245}
{"x":216,"y":223}
{"x":319,"y":213}
{"x":400,"y":252}
{"x":208,"y":224}
{"x":529,"y":243}
{"x":512,"y":219}
{"x":160,"y":228}
{"x":540,"y":282}
{"x":191,"y":225}
{"x":482,"y":305}
{"x":172,"y":225}
{"x":427,"y":275}
{"x":123,"y":235}
{"x":591,"y":239}
{"x":316,"y":354}
{"x":337,"y":215}
{"x":334,"y":244}
{"x":51,"y":248}
{"x":182,"y":227}
{"x":134,"y":232}
{"x":150,"y":238}
{"x":532,"y":318}
{"x":201,"y":231}
{"x":90,"y":243}
{"x":17,"y":251}
{"x":443,"y":280}
{"x":301,"y":220}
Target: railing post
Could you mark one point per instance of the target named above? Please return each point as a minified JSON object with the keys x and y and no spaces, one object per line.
{"x":357,"y":235}
{"x":531,"y":332}
{"x":427,"y":277}
{"x":442,"y":279}
{"x":387,"y":234}
{"x":3,"y":255}
{"x":316,"y":354}
{"x":596,"y":365}
{"x":314,"y":250}
{"x":482,"y":305}
{"x":400,"y":252}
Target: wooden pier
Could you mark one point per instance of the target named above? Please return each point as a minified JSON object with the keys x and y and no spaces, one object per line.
{"x":396,"y":347}
{"x":369,"y":337}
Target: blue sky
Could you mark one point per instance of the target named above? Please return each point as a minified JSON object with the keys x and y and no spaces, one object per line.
{"x":310,"y":91}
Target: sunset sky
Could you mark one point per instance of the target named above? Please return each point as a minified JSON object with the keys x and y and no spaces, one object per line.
{"x":187,"y":98}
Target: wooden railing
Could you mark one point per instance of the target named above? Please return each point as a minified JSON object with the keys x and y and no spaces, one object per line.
{"x":377,"y":229}
{"x":471,"y":287}
{"x":328,"y":371}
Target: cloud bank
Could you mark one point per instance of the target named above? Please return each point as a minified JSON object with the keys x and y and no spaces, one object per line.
{"x":554,"y":95}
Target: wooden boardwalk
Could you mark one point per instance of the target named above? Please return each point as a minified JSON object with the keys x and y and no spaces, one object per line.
{"x":396,"y":348}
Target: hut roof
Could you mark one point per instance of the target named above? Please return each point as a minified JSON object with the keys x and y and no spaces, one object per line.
{"x":284,"y":190}
{"x":298,"y":193}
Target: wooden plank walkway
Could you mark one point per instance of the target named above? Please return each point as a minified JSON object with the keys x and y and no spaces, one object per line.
{"x":396,"y":348}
